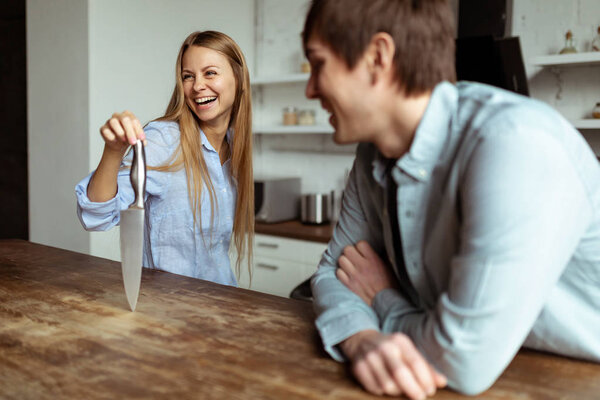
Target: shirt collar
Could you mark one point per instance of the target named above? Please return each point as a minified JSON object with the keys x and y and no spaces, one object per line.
{"x":206,"y":144}
{"x":430,"y":137}
{"x":432,"y":133}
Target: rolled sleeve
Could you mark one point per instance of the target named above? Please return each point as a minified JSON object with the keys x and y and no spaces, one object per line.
{"x":340,"y":312}
{"x":96,"y":216}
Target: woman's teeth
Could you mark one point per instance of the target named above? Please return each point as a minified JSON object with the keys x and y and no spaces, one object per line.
{"x":205,"y":100}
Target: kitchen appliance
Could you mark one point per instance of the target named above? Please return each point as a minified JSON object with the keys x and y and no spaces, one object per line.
{"x":316,"y":208}
{"x":276,"y":198}
{"x":132,"y":228}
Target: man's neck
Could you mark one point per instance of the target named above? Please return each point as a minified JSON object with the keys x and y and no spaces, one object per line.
{"x":402,"y":116}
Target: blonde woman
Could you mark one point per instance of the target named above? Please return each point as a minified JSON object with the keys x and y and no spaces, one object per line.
{"x":199,"y":185}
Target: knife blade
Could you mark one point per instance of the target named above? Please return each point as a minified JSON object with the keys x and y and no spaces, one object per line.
{"x":132,"y":228}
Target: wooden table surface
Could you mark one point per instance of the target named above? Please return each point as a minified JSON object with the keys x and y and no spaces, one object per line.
{"x":66,"y":332}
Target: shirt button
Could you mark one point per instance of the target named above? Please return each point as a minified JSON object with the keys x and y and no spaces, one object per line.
{"x":422,"y":173}
{"x":224,"y":190}
{"x":409,"y":214}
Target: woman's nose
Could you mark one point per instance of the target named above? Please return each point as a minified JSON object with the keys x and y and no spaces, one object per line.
{"x":199,"y":84}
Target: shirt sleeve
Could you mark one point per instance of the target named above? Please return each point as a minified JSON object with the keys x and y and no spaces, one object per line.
{"x":101,"y":216}
{"x":340,"y":312}
{"x":524,"y":209}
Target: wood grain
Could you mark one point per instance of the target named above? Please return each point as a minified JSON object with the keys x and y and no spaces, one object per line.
{"x":66,"y":332}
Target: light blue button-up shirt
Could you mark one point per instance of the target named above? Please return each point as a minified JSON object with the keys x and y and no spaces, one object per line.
{"x":499,"y":217}
{"x":171,"y":241}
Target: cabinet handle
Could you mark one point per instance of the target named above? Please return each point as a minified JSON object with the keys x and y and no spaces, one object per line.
{"x":268,"y":245}
{"x":268,"y":266}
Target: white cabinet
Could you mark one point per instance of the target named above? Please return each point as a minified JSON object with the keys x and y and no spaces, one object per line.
{"x":280,"y":264}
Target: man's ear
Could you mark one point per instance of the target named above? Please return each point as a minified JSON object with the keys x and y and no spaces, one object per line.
{"x":380,"y":57}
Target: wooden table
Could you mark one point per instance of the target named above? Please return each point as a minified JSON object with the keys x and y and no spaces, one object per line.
{"x":66,"y":332}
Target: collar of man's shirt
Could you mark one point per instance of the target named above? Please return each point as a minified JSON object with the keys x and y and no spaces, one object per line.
{"x":430,"y":138}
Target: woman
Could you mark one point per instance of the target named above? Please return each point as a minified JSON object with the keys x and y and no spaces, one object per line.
{"x":199,"y":184}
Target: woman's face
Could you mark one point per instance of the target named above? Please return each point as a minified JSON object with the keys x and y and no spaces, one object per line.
{"x":209,"y":85}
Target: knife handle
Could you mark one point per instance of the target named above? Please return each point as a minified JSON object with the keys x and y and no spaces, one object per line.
{"x":137,"y":175}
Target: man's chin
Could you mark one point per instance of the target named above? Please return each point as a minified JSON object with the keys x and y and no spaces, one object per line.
{"x":341,"y":137}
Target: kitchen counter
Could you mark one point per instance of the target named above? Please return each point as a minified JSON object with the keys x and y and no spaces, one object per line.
{"x":297,"y":230}
{"x":66,"y":332}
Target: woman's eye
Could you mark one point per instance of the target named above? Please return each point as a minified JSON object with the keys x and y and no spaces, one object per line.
{"x":210,"y":73}
{"x":187,"y":77}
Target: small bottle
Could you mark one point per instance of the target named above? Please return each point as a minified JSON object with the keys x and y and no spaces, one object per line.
{"x":596,"y":41}
{"x":306,"y":117}
{"x":290,"y":116}
{"x":569,"y":44}
{"x":596,"y":111}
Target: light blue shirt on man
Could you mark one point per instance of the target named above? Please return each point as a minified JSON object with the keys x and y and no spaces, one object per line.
{"x":172,"y":242}
{"x":498,"y":204}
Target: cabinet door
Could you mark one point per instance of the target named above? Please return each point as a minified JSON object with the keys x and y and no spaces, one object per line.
{"x":301,"y":251}
{"x":275,"y":276}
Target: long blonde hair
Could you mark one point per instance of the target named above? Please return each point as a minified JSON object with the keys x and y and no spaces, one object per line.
{"x":189,"y":152}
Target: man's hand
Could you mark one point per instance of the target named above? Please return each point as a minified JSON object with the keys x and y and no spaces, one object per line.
{"x":364,"y":272}
{"x":391,"y":365}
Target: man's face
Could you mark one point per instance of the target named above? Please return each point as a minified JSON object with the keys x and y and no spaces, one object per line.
{"x":343,"y":92}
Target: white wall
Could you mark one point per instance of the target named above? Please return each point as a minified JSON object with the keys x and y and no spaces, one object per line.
{"x":57,"y":117}
{"x":541,"y":26}
{"x":86,"y":60}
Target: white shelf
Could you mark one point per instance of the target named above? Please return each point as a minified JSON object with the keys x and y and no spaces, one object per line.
{"x":294,"y":129}
{"x":576,"y":59}
{"x":586,"y":123}
{"x":277,"y":79}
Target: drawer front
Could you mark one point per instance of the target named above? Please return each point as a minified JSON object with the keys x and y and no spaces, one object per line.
{"x":301,"y":251}
{"x":276,"y":276}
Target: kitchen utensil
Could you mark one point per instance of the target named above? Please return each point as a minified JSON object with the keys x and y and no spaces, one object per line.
{"x":276,"y":199}
{"x":132,"y":228}
{"x":316,"y":208}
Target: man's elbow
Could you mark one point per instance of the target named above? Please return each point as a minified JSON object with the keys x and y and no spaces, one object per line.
{"x":469,"y":387}
{"x":472,"y":376}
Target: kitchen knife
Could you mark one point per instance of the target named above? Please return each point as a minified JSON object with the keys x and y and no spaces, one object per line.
{"x":132,"y":228}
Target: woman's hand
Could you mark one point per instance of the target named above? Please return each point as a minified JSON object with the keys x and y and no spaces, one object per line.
{"x":364,"y":272}
{"x":391,"y":365}
{"x":121,"y":131}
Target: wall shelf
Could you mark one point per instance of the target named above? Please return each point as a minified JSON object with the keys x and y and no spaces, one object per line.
{"x":278,"y":79}
{"x":293,"y":129}
{"x":586,"y":123}
{"x":566,"y":60}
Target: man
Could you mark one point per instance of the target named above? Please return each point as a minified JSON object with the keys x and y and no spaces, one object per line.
{"x":470,"y":224}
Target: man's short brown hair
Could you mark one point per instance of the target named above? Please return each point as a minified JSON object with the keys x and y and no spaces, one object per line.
{"x":423,"y":33}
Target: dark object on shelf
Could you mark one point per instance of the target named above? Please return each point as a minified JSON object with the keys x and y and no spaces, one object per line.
{"x":302,"y":291}
{"x":481,"y":18}
{"x":497,"y":62}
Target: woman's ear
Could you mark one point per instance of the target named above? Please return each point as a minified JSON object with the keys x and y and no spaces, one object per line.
{"x":380,"y":57}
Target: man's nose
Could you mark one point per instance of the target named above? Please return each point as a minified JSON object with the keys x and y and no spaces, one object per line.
{"x":311,"y":91}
